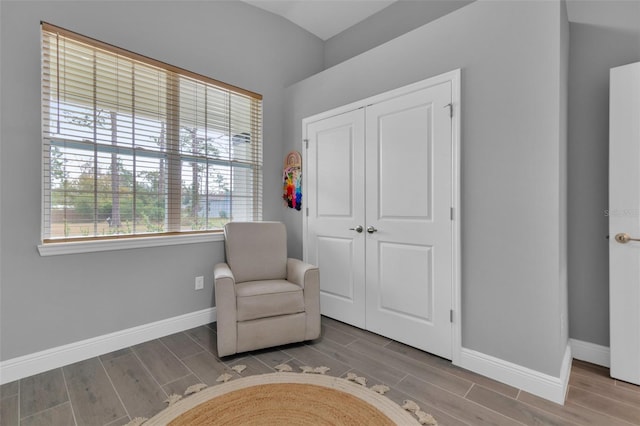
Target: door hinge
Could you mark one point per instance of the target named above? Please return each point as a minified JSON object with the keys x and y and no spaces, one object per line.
{"x":450,"y":106}
{"x":307,"y":210}
{"x":453,"y":214}
{"x":306,"y":143}
{"x":451,"y":315}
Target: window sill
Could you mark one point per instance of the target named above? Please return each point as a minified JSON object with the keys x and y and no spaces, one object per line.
{"x":55,"y":249}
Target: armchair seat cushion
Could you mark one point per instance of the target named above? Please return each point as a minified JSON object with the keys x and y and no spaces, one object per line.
{"x":268,"y":298}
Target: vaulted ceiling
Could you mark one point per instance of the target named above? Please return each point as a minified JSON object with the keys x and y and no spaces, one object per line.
{"x":326,"y":18}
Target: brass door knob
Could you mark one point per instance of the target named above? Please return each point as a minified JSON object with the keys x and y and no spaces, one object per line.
{"x":624,"y":238}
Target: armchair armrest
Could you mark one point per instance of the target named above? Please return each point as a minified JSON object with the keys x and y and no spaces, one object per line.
{"x":224,"y":285}
{"x":307,"y":276}
{"x":222,"y":270}
{"x":297,"y":271}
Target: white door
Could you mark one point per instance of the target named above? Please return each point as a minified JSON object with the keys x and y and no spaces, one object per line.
{"x":408,"y":219}
{"x":624,"y":222}
{"x":334,"y":182}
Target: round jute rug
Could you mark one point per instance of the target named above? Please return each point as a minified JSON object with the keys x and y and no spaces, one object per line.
{"x":285,"y":399}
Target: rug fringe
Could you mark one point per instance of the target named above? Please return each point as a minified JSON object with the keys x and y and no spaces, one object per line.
{"x":224,"y":378}
{"x":239,"y":368}
{"x":314,"y":370}
{"x":283,"y":368}
{"x":194,"y":388}
{"x":173,"y":398}
{"x":410,"y":405}
{"x":426,"y":418}
{"x":137,"y":421}
{"x":358,"y":379}
{"x":381,"y":389}
{"x":423,"y":418}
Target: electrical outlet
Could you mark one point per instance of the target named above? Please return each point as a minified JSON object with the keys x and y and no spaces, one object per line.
{"x":199,"y":283}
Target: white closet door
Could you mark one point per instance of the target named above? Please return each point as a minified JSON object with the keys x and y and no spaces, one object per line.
{"x":334,"y":182}
{"x":409,"y":199}
{"x":624,"y":222}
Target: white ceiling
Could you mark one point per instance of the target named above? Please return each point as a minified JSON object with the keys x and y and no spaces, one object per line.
{"x":620,"y":14}
{"x":324,"y":18}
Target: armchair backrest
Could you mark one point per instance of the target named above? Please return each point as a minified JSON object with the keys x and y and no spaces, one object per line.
{"x":256,"y":250}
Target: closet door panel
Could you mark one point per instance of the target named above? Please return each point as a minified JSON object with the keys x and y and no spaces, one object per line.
{"x":403,"y":149}
{"x":409,"y":197}
{"x":334,"y":182}
{"x":409,"y":268}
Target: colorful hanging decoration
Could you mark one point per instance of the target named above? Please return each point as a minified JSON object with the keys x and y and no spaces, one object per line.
{"x":292,"y":180}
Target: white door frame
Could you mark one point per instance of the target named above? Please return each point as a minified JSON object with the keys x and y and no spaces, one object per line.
{"x":455,"y":78}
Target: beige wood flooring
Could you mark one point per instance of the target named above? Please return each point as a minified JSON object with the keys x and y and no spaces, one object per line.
{"x":134,"y":382}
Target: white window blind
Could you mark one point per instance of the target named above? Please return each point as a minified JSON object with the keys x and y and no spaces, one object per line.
{"x":133,"y":146}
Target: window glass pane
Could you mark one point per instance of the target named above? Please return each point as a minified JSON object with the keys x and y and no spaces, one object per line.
{"x":151,"y":194}
{"x":219,"y":198}
{"x":244,"y":184}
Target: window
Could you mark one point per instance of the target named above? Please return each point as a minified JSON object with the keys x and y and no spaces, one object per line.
{"x":136,"y":147}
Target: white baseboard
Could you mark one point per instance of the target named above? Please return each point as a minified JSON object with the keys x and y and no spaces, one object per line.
{"x":532,"y":381}
{"x":28,"y":365}
{"x":590,"y":352}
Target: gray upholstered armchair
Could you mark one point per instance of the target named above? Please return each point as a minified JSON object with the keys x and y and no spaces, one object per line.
{"x":263,"y":298}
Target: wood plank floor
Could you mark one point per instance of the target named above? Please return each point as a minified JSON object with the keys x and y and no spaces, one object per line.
{"x":133,"y":382}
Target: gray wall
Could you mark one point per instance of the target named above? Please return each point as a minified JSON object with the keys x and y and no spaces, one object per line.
{"x":604,"y":34}
{"x":51,"y":301}
{"x":397,"y":19}
{"x":514,"y":102}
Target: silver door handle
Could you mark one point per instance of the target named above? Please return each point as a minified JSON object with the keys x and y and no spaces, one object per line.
{"x":624,"y":238}
{"x":358,"y":229}
{"x":371,"y":230}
